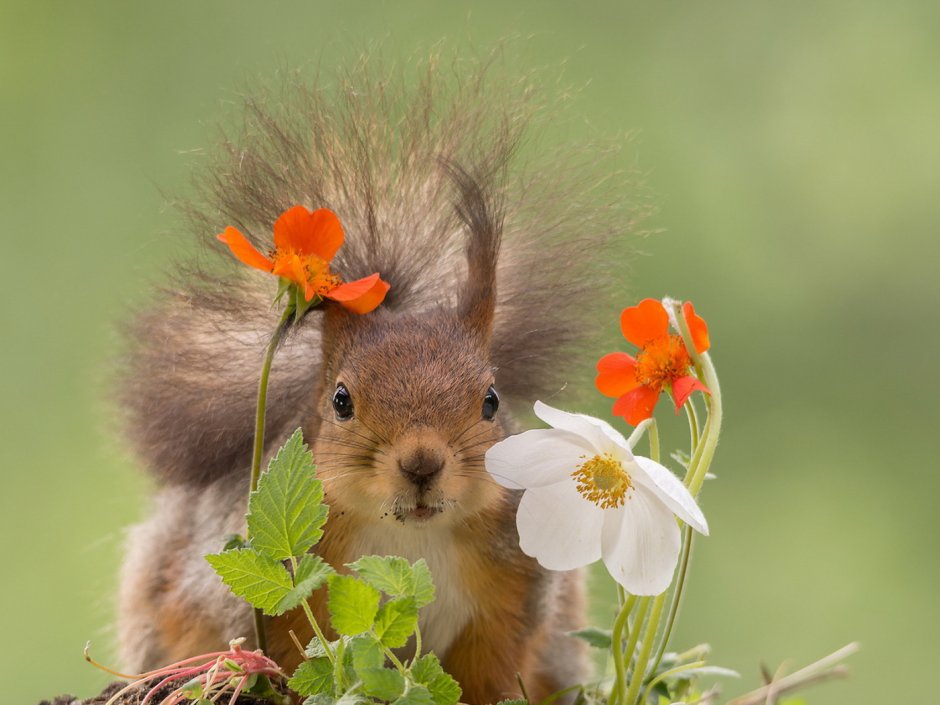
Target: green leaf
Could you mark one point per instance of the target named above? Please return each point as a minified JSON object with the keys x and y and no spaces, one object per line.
{"x":396,"y":577}
{"x":382,"y":683}
{"x":312,"y":572}
{"x":286,"y":513}
{"x":596,"y":637}
{"x":365,"y":652}
{"x":424,"y":584}
{"x":351,"y":697}
{"x":315,"y":648}
{"x":428,"y":672}
{"x":254,"y":577}
{"x":352,"y":604}
{"x":396,"y":622}
{"x":312,"y":677}
{"x":417,"y":695}
{"x":513,"y":702}
{"x":320,"y":699}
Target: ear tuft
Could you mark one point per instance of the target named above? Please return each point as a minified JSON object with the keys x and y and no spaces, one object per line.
{"x":482,"y":214}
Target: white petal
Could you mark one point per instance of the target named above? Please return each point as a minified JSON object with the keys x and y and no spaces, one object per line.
{"x":536,"y":458}
{"x":670,"y":490}
{"x":599,"y":433}
{"x":641,"y":543}
{"x":559,"y":527}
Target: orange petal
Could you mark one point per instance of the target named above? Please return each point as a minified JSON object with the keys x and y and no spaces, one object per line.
{"x":644,"y":322}
{"x":616,"y":375}
{"x":637,"y":405}
{"x":683,"y":387}
{"x":697,"y":327}
{"x":318,"y":233}
{"x":291,"y":268}
{"x":362,"y":295}
{"x":244,"y":251}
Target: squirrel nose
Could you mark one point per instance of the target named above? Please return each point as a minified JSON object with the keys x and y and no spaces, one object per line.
{"x":421,"y":466}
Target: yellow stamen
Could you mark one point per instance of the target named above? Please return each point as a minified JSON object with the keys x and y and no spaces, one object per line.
{"x":603,"y":480}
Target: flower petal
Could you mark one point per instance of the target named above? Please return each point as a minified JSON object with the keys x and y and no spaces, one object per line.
{"x":640,"y":543}
{"x":683,"y":387}
{"x":644,"y":322}
{"x":362,"y":295}
{"x":291,"y":268}
{"x":637,"y":405}
{"x":599,"y":435}
{"x":537,"y":458}
{"x":659,"y":480}
{"x":697,"y":327}
{"x":318,"y":233}
{"x":616,"y":374}
{"x":558,"y":527}
{"x":244,"y":251}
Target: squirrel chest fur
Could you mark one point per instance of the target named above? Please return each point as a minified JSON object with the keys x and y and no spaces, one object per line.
{"x":486,"y":266}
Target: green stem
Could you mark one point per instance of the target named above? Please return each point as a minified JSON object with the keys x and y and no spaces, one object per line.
{"x":617,"y":646}
{"x":417,"y":644}
{"x":391,"y":657}
{"x":687,"y":536}
{"x":654,"y":440}
{"x":693,"y":429}
{"x":258,"y":450}
{"x":639,"y":669}
{"x":313,"y":620}
{"x":634,"y":637}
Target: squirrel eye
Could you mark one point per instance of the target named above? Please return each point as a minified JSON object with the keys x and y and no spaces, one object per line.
{"x":490,"y":403}
{"x":342,"y":403}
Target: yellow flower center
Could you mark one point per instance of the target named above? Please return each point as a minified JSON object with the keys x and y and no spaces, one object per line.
{"x":662,"y":362}
{"x":603,"y":480}
{"x":312,"y":270}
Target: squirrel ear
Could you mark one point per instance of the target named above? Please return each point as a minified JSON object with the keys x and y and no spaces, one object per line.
{"x":483,"y":218}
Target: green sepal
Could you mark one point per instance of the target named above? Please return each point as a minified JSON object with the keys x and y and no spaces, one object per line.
{"x":353,"y":605}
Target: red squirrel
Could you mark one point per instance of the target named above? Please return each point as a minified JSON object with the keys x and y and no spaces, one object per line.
{"x":493,"y":270}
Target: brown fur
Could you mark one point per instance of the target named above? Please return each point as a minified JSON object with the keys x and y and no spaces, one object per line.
{"x":491,"y":270}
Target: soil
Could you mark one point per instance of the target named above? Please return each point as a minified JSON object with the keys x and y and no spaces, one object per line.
{"x":135,"y":697}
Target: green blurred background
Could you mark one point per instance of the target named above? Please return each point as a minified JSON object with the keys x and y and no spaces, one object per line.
{"x":794,"y":150}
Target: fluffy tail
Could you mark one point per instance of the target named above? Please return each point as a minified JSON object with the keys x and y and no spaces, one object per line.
{"x":403,"y":165}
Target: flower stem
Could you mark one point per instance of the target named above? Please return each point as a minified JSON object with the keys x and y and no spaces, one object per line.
{"x":654,"y":440}
{"x":642,"y":660}
{"x":620,"y":623}
{"x":258,"y":450}
{"x":634,"y":637}
{"x":687,"y":536}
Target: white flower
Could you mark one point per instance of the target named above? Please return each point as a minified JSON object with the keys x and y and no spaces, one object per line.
{"x":588,"y":497}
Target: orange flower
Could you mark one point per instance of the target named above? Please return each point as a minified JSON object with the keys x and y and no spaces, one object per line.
{"x":662,"y":364}
{"x":304,"y":244}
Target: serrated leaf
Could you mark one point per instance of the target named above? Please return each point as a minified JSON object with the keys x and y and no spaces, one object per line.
{"x":382,"y":683}
{"x":396,"y":622}
{"x":312,"y":677}
{"x":312,"y":572}
{"x":427,"y":671}
{"x":315,"y":648}
{"x":417,"y":695}
{"x":396,"y":577}
{"x":351,"y":697}
{"x":513,"y":702}
{"x":365,"y":652}
{"x":352,"y":604}
{"x":254,"y":577}
{"x":286,"y":513}
{"x":596,"y":637}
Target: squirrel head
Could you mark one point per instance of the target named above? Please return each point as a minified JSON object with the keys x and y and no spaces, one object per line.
{"x":407,"y":408}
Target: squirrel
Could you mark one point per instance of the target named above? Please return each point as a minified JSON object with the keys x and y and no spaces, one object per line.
{"x":493,"y":269}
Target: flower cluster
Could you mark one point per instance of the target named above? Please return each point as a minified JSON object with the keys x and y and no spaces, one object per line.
{"x":663,"y":363}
